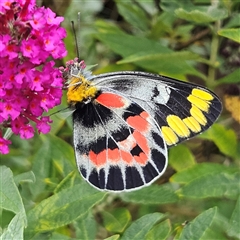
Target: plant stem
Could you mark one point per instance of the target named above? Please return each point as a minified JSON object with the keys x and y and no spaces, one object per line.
{"x":213,"y":55}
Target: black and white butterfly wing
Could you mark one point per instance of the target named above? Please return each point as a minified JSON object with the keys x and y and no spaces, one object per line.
{"x":181,"y":110}
{"x":118,"y":145}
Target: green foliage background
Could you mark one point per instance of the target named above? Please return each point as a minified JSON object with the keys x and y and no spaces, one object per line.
{"x":43,"y":195}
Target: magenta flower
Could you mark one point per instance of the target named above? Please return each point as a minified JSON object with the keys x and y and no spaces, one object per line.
{"x":31,"y":38}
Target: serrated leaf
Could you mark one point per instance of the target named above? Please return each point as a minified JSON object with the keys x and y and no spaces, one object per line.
{"x":181,"y":158}
{"x":63,"y":208}
{"x":153,"y":194}
{"x":220,"y":185}
{"x":10,"y":197}
{"x":198,"y":171}
{"x":133,"y":14}
{"x":233,"y":34}
{"x":233,"y":230}
{"x":138,"y":229}
{"x":202,"y":14}
{"x":160,"y":231}
{"x":199,"y":226}
{"x":225,"y":139}
{"x":116,"y":220}
{"x":15,"y":229}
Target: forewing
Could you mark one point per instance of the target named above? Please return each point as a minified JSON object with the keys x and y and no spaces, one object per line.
{"x":182,"y":110}
{"x":118,"y":145}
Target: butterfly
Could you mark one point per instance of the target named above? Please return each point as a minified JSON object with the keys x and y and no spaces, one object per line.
{"x":124,"y":123}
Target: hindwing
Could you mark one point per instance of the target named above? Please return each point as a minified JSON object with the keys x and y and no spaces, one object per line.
{"x":118,"y":145}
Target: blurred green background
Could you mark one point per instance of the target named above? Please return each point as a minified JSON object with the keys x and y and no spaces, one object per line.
{"x":44,"y":197}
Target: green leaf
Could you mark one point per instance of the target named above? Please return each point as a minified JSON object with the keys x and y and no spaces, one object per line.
{"x":199,"y":226}
{"x":113,"y":237}
{"x":234,"y":20}
{"x":107,"y":27}
{"x":171,"y":6}
{"x":181,"y":158}
{"x":231,"y":78}
{"x":86,"y":227}
{"x":220,"y":185}
{"x":67,"y":182}
{"x":57,"y":236}
{"x":201,"y":14}
{"x":60,"y":151}
{"x":160,"y":231}
{"x":225,"y":139}
{"x":25,"y":177}
{"x":133,"y":14}
{"x":198,"y":171}
{"x":138,"y":229}
{"x":63,"y":208}
{"x":116,"y":220}
{"x":53,"y":152}
{"x":15,"y":229}
{"x":10,"y":197}
{"x":144,"y":56}
{"x":153,"y":194}
{"x":233,"y":230}
{"x":161,"y":25}
{"x":233,"y":34}
{"x":127,"y":45}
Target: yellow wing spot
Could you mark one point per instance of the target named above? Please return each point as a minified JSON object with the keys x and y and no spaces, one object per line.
{"x":178,"y":126}
{"x":198,"y":115}
{"x":192,"y":124}
{"x":169,"y":136}
{"x":80,"y":90}
{"x":200,"y":103}
{"x":202,"y":94}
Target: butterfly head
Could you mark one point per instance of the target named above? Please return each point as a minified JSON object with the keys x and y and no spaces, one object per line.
{"x":77,"y":77}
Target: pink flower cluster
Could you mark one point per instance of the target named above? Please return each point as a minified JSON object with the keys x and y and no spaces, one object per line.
{"x":30,"y":38}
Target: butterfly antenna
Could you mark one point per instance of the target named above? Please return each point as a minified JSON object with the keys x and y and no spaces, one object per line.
{"x":58,"y":111}
{"x":77,"y":39}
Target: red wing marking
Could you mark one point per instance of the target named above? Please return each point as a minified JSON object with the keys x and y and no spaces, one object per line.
{"x":144,"y":115}
{"x":126,"y":157}
{"x":113,"y":155}
{"x":98,"y":159}
{"x":111,"y":100}
{"x":138,"y":123}
{"x":142,"y":142}
{"x":142,"y":158}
